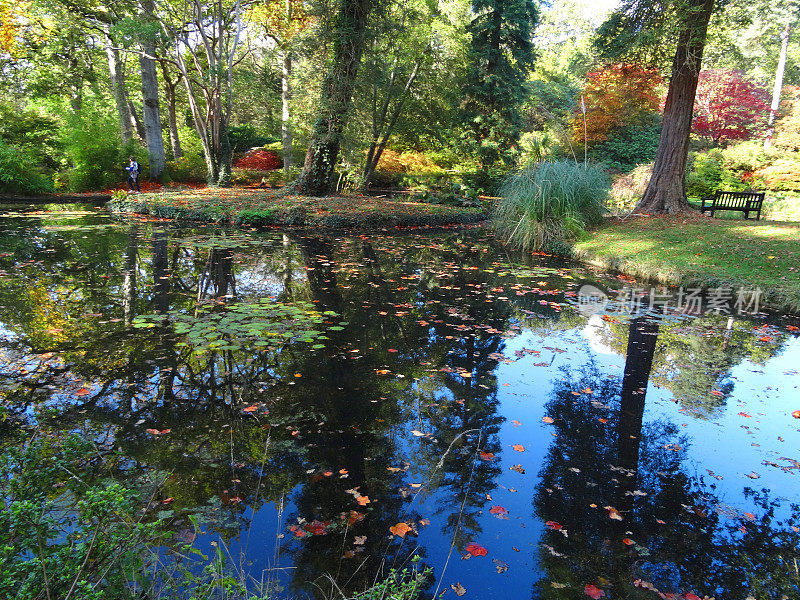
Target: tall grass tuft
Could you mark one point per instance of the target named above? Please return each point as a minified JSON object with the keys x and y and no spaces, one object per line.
{"x":550,"y":202}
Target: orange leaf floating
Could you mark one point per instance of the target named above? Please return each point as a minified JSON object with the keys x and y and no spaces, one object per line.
{"x":498,"y":510}
{"x":250,"y":409}
{"x":490,"y":455}
{"x":362,"y":500}
{"x":796,"y":414}
{"x":317,"y":527}
{"x":691,"y":596}
{"x":157,"y":431}
{"x":83,"y":392}
{"x":628,"y":542}
{"x":518,"y":447}
{"x":613,"y":513}
{"x":554,"y":525}
{"x":547,"y":419}
{"x":717,"y":393}
{"x":793,"y":328}
{"x":476,"y":549}
{"x":593,"y":591}
{"x":401,"y":529}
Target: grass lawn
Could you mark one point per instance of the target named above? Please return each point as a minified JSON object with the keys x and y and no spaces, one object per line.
{"x":255,"y":207}
{"x":694,"y":251}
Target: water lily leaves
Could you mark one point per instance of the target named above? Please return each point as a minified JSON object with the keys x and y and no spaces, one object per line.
{"x":259,"y":326}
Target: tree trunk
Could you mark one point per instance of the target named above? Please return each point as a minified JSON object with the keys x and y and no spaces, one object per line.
{"x":136,"y":122}
{"x":118,"y":91}
{"x":172,"y":114}
{"x":336,"y":97}
{"x":286,"y":97}
{"x":666,"y":191}
{"x":776,"y":90}
{"x":150,"y":107}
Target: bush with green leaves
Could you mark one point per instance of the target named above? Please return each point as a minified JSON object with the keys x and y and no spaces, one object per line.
{"x":549,"y":202}
{"x":67,"y":530}
{"x":20,"y":173}
{"x":628,"y":147}
{"x":736,"y":168}
{"x":95,"y":152}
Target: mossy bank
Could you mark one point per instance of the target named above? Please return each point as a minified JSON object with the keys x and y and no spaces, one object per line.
{"x":261,"y":208}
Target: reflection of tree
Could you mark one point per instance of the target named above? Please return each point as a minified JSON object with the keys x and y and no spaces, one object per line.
{"x":692,"y":358}
{"x":620,"y":508}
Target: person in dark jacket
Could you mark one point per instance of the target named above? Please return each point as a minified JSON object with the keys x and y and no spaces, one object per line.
{"x":133,"y":170}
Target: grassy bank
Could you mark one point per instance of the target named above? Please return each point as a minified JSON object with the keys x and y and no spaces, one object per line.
{"x":700,"y":251}
{"x":249,"y":207}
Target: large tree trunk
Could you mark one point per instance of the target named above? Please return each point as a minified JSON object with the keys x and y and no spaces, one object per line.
{"x":136,"y":122}
{"x":666,"y":191}
{"x":336,"y":97}
{"x":150,"y":107}
{"x":172,"y":115}
{"x":286,"y":97}
{"x":118,"y":90}
{"x":778,"y":87}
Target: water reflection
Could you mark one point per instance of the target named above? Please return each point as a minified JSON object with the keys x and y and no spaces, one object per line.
{"x":409,"y":414}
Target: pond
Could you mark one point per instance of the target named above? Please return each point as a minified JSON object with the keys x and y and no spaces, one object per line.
{"x":437,"y":395}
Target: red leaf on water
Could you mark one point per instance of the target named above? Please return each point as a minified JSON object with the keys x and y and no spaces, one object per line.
{"x":498,"y":510}
{"x":593,"y":591}
{"x":83,"y":392}
{"x":476,"y":549}
{"x":796,"y":414}
{"x":490,"y":455}
{"x":691,"y":596}
{"x":401,"y":529}
{"x":555,"y":525}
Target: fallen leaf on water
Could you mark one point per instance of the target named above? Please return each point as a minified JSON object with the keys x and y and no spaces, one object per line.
{"x":518,"y":469}
{"x":416,"y":433}
{"x":83,"y":392}
{"x":401,"y":529}
{"x":158,"y":431}
{"x":691,"y":596}
{"x":613,"y":513}
{"x":752,"y":475}
{"x":360,"y":540}
{"x":554,"y":525}
{"x":362,"y":500}
{"x":717,"y":393}
{"x":518,"y":447}
{"x":250,"y":409}
{"x":487,"y":455}
{"x":476,"y":549}
{"x":593,"y":591}
{"x":516,"y":423}
{"x":459,"y":589}
{"x":628,"y":542}
{"x":796,"y":414}
{"x":498,"y":510}
{"x":547,"y":419}
{"x":500,"y":566}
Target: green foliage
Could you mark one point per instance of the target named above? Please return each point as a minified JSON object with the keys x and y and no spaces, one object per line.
{"x":19,"y":172}
{"x":93,"y":147}
{"x":736,"y":168}
{"x":257,"y":218}
{"x":254,"y":326}
{"x":500,"y":54}
{"x":628,"y":147}
{"x":404,"y":585}
{"x":59,"y":511}
{"x":34,"y":132}
{"x":244,"y":137}
{"x":549,"y":202}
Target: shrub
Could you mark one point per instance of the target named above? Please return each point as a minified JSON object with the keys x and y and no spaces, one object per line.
{"x":549,"y":202}
{"x":244,"y":137}
{"x":19,"y":173}
{"x":628,"y":147}
{"x":783,"y":175}
{"x":737,"y":168}
{"x":257,"y":218}
{"x":259,"y":160}
{"x":191,"y":167}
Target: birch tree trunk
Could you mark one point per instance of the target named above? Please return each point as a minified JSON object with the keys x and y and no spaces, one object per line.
{"x":286,"y":97}
{"x":778,"y":87}
{"x":172,"y":113}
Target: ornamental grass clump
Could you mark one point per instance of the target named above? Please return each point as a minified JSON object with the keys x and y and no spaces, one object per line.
{"x":549,"y":202}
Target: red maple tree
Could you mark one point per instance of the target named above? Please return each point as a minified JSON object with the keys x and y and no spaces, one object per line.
{"x":727,"y":107}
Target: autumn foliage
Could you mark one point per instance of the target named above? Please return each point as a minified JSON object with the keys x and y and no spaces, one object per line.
{"x":727,"y":107}
{"x":616,"y":96}
{"x":259,"y":160}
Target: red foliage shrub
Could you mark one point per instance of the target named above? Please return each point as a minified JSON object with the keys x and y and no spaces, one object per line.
{"x":259,"y":160}
{"x":728,"y":107}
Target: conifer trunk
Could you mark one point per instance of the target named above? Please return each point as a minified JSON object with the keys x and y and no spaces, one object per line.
{"x":666,"y":191}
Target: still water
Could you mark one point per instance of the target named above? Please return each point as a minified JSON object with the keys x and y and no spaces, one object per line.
{"x":465,"y":408}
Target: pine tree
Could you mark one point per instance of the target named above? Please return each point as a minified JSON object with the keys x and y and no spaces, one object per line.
{"x":501,"y":53}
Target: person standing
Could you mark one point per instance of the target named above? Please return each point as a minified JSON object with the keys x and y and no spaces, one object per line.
{"x":133,"y":169}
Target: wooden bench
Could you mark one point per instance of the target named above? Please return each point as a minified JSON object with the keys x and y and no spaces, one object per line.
{"x":745,"y":202}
